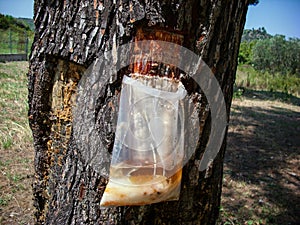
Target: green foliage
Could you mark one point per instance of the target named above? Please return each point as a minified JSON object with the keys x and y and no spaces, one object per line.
{"x":29,"y":23}
{"x":249,"y":40}
{"x":16,"y":35}
{"x":277,"y":55}
{"x":251,"y":78}
{"x":3,"y":201}
{"x":255,"y":34}
{"x":7,"y":21}
{"x":3,"y":23}
{"x":253,"y":2}
{"x":245,"y":53}
{"x":267,"y":53}
{"x":7,"y":143}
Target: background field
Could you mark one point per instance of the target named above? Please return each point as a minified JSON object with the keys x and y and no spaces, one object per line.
{"x":261,"y":170}
{"x":16,"y":150}
{"x":16,"y":35}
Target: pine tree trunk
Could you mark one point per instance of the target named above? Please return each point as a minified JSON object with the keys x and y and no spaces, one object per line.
{"x":70,"y":36}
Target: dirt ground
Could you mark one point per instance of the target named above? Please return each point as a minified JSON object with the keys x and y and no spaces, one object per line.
{"x":15,"y":187}
{"x":261,"y":172}
{"x":262,"y":165}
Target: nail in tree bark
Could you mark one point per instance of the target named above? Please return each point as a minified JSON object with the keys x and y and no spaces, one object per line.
{"x":70,"y":36}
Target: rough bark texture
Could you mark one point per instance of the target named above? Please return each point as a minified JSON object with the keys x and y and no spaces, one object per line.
{"x":72,"y":34}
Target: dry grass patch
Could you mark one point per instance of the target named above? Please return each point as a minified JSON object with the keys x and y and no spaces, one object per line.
{"x":261,"y":171}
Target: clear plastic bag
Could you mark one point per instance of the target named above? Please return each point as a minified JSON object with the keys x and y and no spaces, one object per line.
{"x":148,"y":151}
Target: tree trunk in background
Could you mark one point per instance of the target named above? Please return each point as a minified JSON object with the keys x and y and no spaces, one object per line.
{"x":70,"y":35}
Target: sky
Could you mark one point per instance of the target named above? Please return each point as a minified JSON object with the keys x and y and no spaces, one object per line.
{"x":17,"y":8}
{"x":276,"y":16}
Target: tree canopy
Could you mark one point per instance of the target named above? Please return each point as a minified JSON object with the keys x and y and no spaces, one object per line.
{"x":7,"y":21}
{"x":265,"y":52}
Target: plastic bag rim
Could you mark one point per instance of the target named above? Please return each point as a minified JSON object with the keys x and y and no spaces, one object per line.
{"x":178,"y":95}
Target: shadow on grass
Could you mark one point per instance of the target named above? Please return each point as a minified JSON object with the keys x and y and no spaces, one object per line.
{"x":262,"y":158}
{"x":274,"y":95}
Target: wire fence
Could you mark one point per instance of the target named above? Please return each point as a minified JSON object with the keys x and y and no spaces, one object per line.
{"x":12,"y":42}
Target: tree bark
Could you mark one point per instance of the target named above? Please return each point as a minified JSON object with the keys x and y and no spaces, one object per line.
{"x":70,"y":36}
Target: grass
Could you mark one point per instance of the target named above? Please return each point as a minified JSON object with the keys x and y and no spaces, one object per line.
{"x":14,"y":127}
{"x":248,"y":77}
{"x":16,"y":150}
{"x":13,"y":41}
